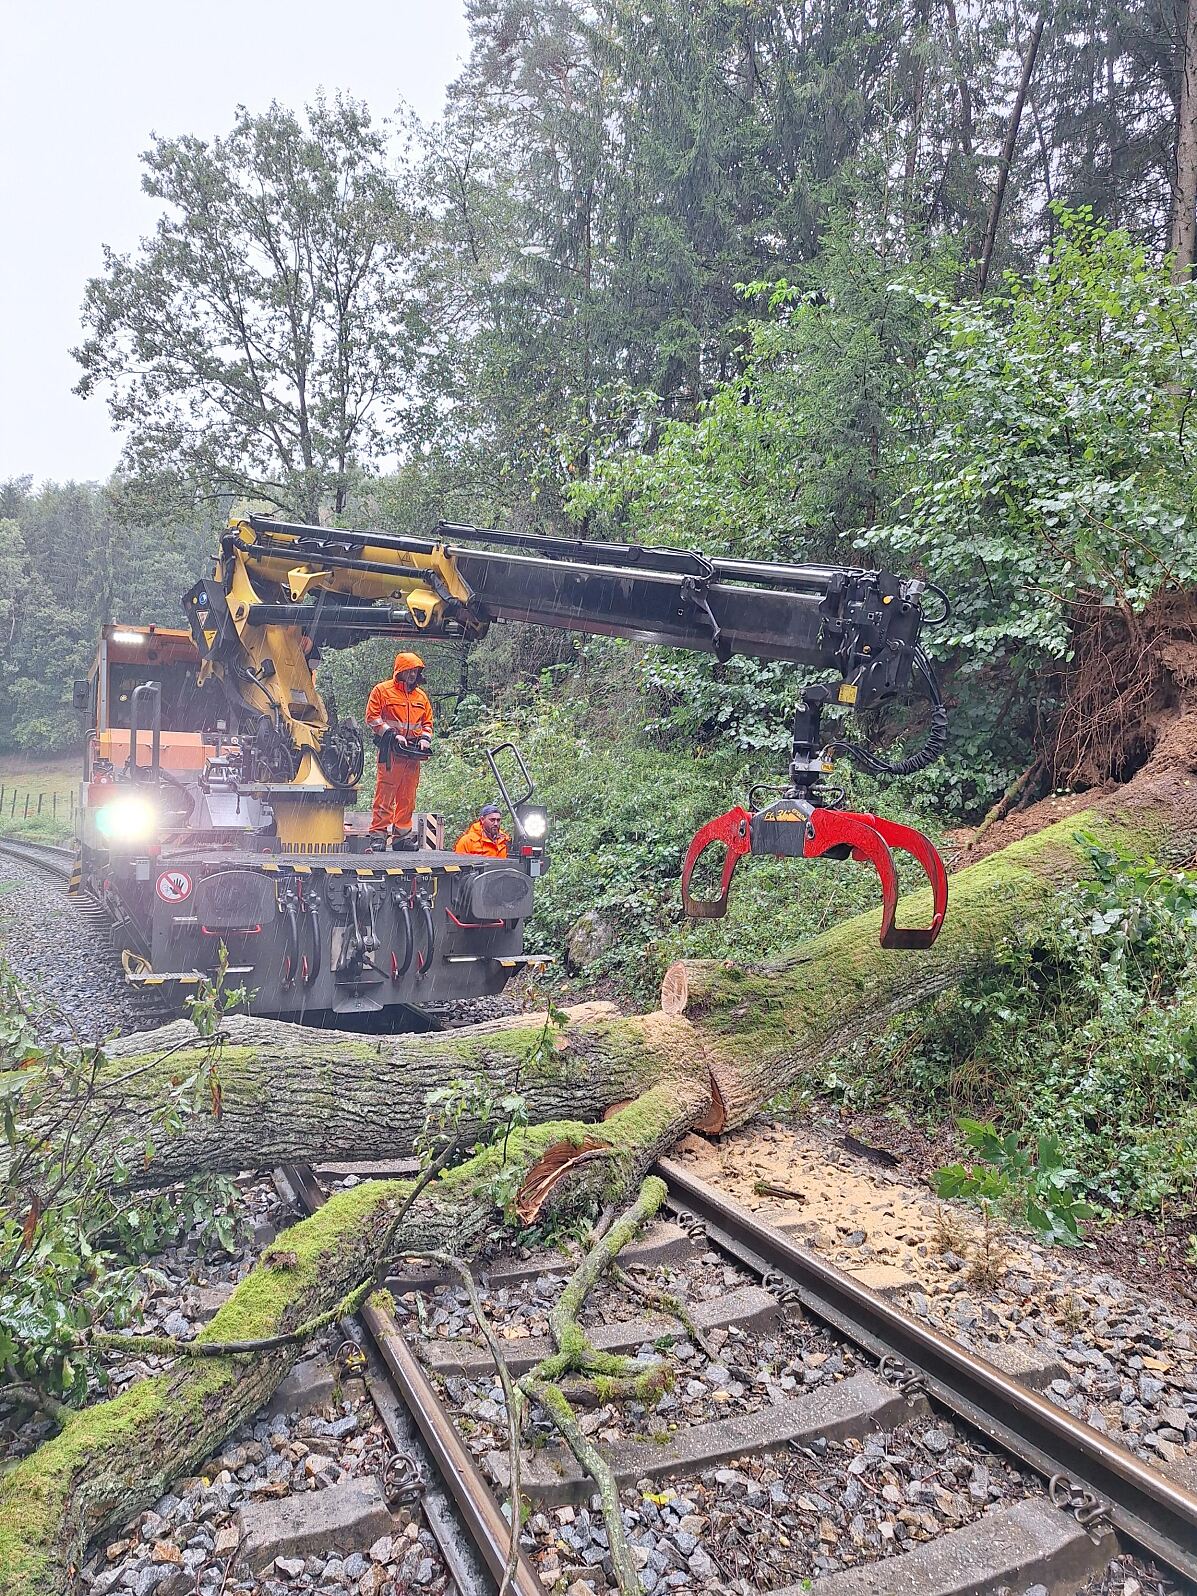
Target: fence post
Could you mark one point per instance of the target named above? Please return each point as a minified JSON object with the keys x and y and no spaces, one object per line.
{"x":40,"y":796}
{"x":25,"y":816}
{"x":12,"y":808}
{"x":54,"y":806}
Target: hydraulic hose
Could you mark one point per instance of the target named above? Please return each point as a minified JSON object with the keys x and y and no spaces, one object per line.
{"x":933,"y":747}
{"x":425,"y":959}
{"x":402,"y":965}
{"x":314,"y":968}
{"x":292,"y":956}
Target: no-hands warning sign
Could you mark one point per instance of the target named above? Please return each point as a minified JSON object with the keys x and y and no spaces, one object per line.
{"x":173,"y":886}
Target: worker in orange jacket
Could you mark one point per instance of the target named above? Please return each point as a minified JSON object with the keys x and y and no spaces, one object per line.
{"x":399,"y":714}
{"x":484,"y":836}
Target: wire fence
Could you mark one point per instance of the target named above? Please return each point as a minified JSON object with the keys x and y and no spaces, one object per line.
{"x":17,"y":803}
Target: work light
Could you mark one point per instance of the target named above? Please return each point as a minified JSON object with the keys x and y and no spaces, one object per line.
{"x":533,"y":822}
{"x":128,"y":818}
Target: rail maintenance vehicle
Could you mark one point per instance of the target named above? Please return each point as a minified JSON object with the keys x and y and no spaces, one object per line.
{"x":212,"y":817}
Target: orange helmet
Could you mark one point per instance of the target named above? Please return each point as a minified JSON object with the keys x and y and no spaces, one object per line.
{"x":408,"y":662}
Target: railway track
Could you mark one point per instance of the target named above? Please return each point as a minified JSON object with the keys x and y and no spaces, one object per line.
{"x":145,"y":1006}
{"x":1085,"y":1497}
{"x":45,"y":857}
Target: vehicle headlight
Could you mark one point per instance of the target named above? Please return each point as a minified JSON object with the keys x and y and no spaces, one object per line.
{"x":534,"y":823}
{"x":128,"y":818}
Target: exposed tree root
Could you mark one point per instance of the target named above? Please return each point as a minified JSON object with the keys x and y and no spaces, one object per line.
{"x":1127,"y":682}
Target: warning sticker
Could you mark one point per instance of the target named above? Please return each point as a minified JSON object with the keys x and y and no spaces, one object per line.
{"x":173,"y":886}
{"x":209,"y":635}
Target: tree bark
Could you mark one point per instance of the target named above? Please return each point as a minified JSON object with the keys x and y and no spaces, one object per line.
{"x":113,"y":1459}
{"x":761,"y":1028}
{"x":1008,"y":147}
{"x":356,"y":1097}
{"x":725,"y":1041}
{"x":1184,"y":205}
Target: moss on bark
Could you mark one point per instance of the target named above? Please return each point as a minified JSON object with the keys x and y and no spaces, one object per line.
{"x":761,"y":1028}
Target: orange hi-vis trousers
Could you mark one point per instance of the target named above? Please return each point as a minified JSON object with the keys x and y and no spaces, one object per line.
{"x":395,"y":795}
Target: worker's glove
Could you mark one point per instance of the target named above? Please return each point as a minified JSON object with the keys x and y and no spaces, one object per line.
{"x":399,"y":739}
{"x":425,"y":745}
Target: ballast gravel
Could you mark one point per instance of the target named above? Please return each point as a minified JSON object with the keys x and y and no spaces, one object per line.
{"x":1129,"y":1362}
{"x":751,"y":1371}
{"x":753,"y":1523}
{"x":189,"y":1543}
{"x":64,"y":956}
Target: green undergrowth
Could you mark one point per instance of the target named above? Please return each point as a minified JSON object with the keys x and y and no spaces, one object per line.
{"x":1078,"y":1034}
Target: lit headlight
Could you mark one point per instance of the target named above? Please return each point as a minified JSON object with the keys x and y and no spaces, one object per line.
{"x":126,"y":819}
{"x":534,"y":823}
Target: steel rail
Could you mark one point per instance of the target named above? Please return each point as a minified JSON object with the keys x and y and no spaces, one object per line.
{"x":45,"y":856}
{"x":483,"y":1521}
{"x":1150,"y":1509}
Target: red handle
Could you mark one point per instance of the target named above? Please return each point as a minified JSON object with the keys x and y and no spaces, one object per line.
{"x":734,"y":831}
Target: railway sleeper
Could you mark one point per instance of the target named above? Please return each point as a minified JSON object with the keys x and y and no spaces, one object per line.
{"x":748,"y":1307}
{"x":856,"y":1407}
{"x":1028,"y":1543}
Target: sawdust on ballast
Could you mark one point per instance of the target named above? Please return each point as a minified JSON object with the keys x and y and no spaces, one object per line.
{"x":877,"y":1223}
{"x":980,"y":1281}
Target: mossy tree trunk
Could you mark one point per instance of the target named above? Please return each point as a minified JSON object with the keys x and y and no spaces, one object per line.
{"x":732,"y":1039}
{"x":113,"y":1459}
{"x":288,"y":1095}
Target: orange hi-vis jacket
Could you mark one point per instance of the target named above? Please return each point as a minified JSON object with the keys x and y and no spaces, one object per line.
{"x":474,"y":840}
{"x":409,"y":712}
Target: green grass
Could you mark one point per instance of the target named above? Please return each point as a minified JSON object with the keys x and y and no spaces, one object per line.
{"x":47,"y":779}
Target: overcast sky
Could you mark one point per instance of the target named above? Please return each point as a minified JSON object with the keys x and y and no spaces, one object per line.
{"x":85,"y":84}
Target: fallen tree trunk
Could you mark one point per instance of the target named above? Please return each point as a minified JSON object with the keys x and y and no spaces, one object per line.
{"x":353,"y":1097}
{"x":730,"y":1039}
{"x":761,"y":1028}
{"x":115,"y":1458}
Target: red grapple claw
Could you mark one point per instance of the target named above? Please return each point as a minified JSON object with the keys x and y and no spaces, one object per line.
{"x":734,"y":831}
{"x":871,"y":838}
